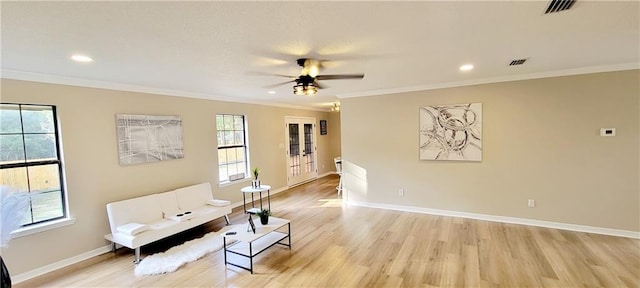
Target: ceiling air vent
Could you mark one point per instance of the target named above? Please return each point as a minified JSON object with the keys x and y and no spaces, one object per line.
{"x":517,"y":62}
{"x":559,"y":5}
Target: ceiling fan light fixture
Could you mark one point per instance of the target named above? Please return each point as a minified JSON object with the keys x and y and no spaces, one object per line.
{"x":466,"y":67}
{"x":81,"y":58}
{"x":312,"y":90}
{"x":306,"y":83}
{"x":302,"y":89}
{"x":314,"y":71}
{"x":298,"y":89}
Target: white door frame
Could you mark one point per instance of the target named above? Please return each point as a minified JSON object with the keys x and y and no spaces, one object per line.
{"x":302,"y":178}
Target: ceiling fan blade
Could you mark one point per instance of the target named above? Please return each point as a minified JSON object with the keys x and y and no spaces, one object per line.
{"x":278,"y":84}
{"x":320,"y":86}
{"x":270,"y":74}
{"x":340,"y":76}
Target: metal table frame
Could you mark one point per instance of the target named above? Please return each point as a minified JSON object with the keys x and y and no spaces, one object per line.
{"x":249,"y":189}
{"x":253,"y":254}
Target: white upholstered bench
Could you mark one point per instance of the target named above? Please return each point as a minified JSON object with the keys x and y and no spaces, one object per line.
{"x":139,"y":221}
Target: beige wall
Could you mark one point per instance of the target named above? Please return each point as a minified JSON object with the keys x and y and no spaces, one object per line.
{"x":335,"y":132}
{"x":541,"y":141}
{"x":95,"y":178}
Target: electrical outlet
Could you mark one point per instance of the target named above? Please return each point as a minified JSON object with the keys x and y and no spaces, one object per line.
{"x":607,"y":131}
{"x":401,"y":192}
{"x":531,"y":203}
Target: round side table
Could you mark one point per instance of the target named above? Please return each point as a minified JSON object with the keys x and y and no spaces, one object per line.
{"x":252,"y":190}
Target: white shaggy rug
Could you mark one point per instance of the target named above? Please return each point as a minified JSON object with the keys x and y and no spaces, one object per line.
{"x":175,"y":257}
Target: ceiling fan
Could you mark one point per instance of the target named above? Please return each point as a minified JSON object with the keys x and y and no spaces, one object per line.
{"x":307,"y":81}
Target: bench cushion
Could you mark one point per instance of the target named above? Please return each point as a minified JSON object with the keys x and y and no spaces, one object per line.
{"x":218,"y":202}
{"x":132,"y":228}
{"x":143,"y":209}
{"x":155,"y":212}
{"x":193,"y":197}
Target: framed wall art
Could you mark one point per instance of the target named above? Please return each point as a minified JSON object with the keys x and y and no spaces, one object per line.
{"x":451,"y":132}
{"x":148,"y":138}
{"x":323,"y":127}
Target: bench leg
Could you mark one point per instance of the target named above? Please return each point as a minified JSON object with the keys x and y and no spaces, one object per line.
{"x":226,"y":218}
{"x":137,"y":252}
{"x":113,"y":247}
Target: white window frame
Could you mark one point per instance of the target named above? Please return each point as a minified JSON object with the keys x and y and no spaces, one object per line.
{"x":65,"y":219}
{"x":245,"y":146}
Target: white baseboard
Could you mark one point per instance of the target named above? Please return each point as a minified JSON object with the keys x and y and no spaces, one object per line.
{"x":503,"y":219}
{"x":59,"y":265}
{"x":327,"y":174}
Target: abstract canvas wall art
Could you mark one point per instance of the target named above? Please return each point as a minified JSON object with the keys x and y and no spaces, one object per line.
{"x":451,"y":132}
{"x":148,"y":138}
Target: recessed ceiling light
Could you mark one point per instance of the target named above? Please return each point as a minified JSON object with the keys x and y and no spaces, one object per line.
{"x":81,"y":58}
{"x":466,"y":67}
{"x":271,"y":92}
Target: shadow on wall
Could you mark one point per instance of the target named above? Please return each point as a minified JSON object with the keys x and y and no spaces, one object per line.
{"x":354,"y":182}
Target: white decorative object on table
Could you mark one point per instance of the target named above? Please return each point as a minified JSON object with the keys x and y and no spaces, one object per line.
{"x":256,"y":173}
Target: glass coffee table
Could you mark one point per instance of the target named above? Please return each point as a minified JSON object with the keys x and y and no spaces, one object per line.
{"x":249,"y":244}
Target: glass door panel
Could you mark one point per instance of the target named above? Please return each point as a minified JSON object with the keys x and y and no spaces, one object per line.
{"x":309,"y":156}
{"x":294,"y":150}
{"x":301,"y":148}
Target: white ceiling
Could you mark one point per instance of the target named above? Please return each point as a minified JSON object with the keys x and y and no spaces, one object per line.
{"x":222,"y":50}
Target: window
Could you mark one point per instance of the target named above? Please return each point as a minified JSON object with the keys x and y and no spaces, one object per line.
{"x":233,"y":162}
{"x":30,"y":159}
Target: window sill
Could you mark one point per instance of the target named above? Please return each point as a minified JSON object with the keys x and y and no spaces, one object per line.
{"x":229,"y":183}
{"x":42,"y":227}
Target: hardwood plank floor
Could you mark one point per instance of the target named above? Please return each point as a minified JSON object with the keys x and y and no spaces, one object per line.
{"x":336,"y":246}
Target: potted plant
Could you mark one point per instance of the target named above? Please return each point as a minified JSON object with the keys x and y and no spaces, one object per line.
{"x":264,"y":216}
{"x":256,"y":182}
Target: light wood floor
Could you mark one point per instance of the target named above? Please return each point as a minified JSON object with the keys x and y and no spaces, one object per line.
{"x":335,"y":246}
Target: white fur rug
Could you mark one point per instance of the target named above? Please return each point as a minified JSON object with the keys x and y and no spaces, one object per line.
{"x":175,"y":257}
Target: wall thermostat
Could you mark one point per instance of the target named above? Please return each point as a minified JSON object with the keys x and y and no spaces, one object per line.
{"x":607,"y":131}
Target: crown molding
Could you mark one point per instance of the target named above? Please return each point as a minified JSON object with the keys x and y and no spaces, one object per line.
{"x":558,"y":73}
{"x":65,"y":80}
{"x":81,"y":82}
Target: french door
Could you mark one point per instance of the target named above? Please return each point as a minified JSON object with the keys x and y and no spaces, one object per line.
{"x":301,"y":149}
